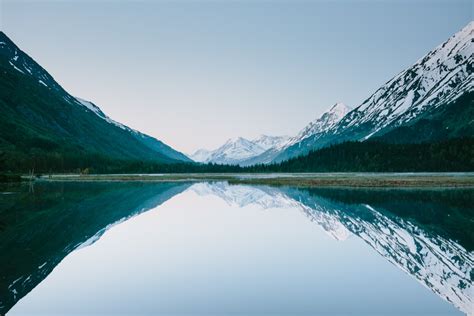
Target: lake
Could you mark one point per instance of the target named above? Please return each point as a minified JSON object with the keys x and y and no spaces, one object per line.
{"x":211,"y":248}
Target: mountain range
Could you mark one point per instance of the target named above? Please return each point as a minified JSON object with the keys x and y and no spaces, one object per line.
{"x":43,"y":126}
{"x":236,"y":151}
{"x":40,"y":119}
{"x":320,"y":125}
{"x":423,"y":91}
{"x":431,"y":100}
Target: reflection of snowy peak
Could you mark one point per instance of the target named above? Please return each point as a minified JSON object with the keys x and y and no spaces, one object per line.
{"x":332,"y":226}
{"x":266,"y":198}
{"x":440,"y":264}
{"x":242,"y":195}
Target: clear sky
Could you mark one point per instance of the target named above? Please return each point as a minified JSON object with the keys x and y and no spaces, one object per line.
{"x":195,"y":73}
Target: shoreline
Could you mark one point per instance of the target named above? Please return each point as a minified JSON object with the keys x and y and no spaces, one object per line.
{"x":435,"y":180}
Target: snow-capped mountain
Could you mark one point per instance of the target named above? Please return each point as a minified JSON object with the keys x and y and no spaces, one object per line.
{"x":200,"y":155}
{"x":435,"y":81}
{"x":323,"y":123}
{"x":439,"y":77}
{"x":326,"y":121}
{"x":267,"y":142}
{"x":236,"y":150}
{"x":231,"y":152}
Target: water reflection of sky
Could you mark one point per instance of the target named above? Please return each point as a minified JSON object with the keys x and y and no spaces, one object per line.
{"x":201,"y":254}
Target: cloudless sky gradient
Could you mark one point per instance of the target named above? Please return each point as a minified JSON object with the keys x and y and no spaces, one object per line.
{"x":195,"y":73}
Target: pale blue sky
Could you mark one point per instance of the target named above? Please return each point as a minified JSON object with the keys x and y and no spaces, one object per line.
{"x":194,"y":73}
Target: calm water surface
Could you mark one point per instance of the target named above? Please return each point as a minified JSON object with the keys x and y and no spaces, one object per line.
{"x":219,"y":249}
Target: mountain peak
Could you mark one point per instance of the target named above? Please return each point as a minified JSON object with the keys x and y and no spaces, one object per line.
{"x":238,"y":149}
{"x":267,"y":142}
{"x":64,"y":120}
{"x":323,"y":123}
{"x":236,"y":140}
{"x":439,"y":77}
{"x":437,"y":80}
{"x":339,"y":109}
{"x":5,"y":39}
{"x":24,"y":64}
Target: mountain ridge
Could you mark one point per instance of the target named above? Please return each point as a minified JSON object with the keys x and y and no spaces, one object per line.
{"x":319,"y":125}
{"x":236,"y":150}
{"x":43,"y":125}
{"x":438,"y":78}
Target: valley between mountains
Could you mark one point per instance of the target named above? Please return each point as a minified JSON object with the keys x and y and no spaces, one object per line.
{"x":425,"y":112}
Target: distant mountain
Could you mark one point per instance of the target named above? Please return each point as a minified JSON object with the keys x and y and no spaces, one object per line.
{"x":424,"y":91}
{"x":320,"y":125}
{"x":41,"y":122}
{"x":267,"y":142}
{"x":234,"y":151}
{"x":200,"y":155}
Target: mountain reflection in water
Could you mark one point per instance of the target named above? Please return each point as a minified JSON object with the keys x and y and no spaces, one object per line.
{"x":44,"y":226}
{"x":426,"y":233}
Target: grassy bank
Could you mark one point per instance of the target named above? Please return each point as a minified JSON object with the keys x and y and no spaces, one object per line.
{"x":299,"y":180}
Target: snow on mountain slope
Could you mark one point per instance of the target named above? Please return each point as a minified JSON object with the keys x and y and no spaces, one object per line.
{"x":267,"y":142}
{"x":323,"y":123}
{"x":236,"y":150}
{"x":95,"y":109}
{"x":149,"y":141}
{"x":200,"y":155}
{"x":438,"y":78}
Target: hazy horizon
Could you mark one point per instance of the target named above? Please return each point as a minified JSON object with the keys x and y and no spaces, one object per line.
{"x":194,"y":74}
